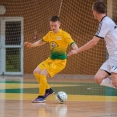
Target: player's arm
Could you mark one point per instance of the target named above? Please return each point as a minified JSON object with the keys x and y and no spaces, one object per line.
{"x":87,"y":46}
{"x":35,"y":44}
{"x":74,"y":46}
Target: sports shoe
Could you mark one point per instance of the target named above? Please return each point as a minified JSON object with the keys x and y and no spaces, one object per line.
{"x":39,"y":99}
{"x":48,"y":92}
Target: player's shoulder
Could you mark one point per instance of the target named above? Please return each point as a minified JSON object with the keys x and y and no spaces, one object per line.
{"x":64,"y":32}
{"x":108,"y":21}
{"x":48,"y":33}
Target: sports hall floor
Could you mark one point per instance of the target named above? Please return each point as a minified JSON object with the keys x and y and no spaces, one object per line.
{"x":85,"y":98}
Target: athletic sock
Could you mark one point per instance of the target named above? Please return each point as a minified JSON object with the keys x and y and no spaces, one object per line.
{"x":43,"y":84}
{"x":107,"y":82}
{"x":37,"y":76}
{"x":47,"y":86}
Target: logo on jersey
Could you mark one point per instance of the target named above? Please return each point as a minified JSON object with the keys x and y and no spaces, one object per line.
{"x":114,"y":67}
{"x":58,"y":38}
{"x":115,"y":27}
{"x":53,"y":44}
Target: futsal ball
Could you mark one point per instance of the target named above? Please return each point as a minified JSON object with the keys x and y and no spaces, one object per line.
{"x":61,"y":97}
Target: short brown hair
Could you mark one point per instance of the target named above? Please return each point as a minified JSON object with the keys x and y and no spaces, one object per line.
{"x":99,"y":6}
{"x":54,"y":18}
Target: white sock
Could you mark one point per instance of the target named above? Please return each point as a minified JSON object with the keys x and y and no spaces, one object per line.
{"x":107,"y":82}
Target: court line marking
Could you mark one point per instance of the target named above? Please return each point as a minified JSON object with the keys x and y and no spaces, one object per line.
{"x":80,"y":98}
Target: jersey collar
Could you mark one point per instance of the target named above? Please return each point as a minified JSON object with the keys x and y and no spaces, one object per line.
{"x":103,"y":18}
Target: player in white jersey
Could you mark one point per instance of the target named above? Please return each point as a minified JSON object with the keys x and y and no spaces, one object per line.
{"x":108,"y":32}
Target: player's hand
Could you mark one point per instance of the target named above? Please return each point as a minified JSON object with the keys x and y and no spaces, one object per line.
{"x":72,"y":52}
{"x":27,"y":44}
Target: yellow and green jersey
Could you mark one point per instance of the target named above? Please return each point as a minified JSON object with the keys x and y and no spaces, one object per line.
{"x":58,"y":43}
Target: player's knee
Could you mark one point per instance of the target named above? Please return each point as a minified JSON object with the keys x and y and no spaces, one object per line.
{"x":44,"y":72}
{"x":97,"y":79}
{"x":37,"y":71}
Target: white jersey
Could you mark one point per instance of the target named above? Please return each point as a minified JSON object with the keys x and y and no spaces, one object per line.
{"x":107,"y":30}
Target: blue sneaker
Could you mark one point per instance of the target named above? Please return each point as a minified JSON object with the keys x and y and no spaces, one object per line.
{"x":48,"y":92}
{"x":39,"y":99}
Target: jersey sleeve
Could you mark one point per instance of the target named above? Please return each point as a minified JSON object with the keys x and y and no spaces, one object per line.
{"x":68,"y":39}
{"x":102,"y":30}
{"x":46,"y":37}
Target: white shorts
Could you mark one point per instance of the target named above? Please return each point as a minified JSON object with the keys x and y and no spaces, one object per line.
{"x":110,"y":65}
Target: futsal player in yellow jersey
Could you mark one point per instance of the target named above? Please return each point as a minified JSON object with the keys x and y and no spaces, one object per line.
{"x":59,"y":41}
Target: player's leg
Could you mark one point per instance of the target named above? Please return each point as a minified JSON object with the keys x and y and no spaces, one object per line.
{"x":53,"y":67}
{"x":41,"y":74}
{"x":41,"y":77}
{"x":114,"y":79}
{"x":39,"y":69}
{"x":43,"y":82}
{"x":49,"y":67}
{"x":36,"y":73}
{"x":114,"y":73}
{"x":113,"y":70}
{"x":102,"y":77}
{"x":46,"y":74}
{"x":45,"y":89}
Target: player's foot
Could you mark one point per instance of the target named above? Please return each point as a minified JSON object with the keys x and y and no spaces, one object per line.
{"x":39,"y":99}
{"x":49,"y":92}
